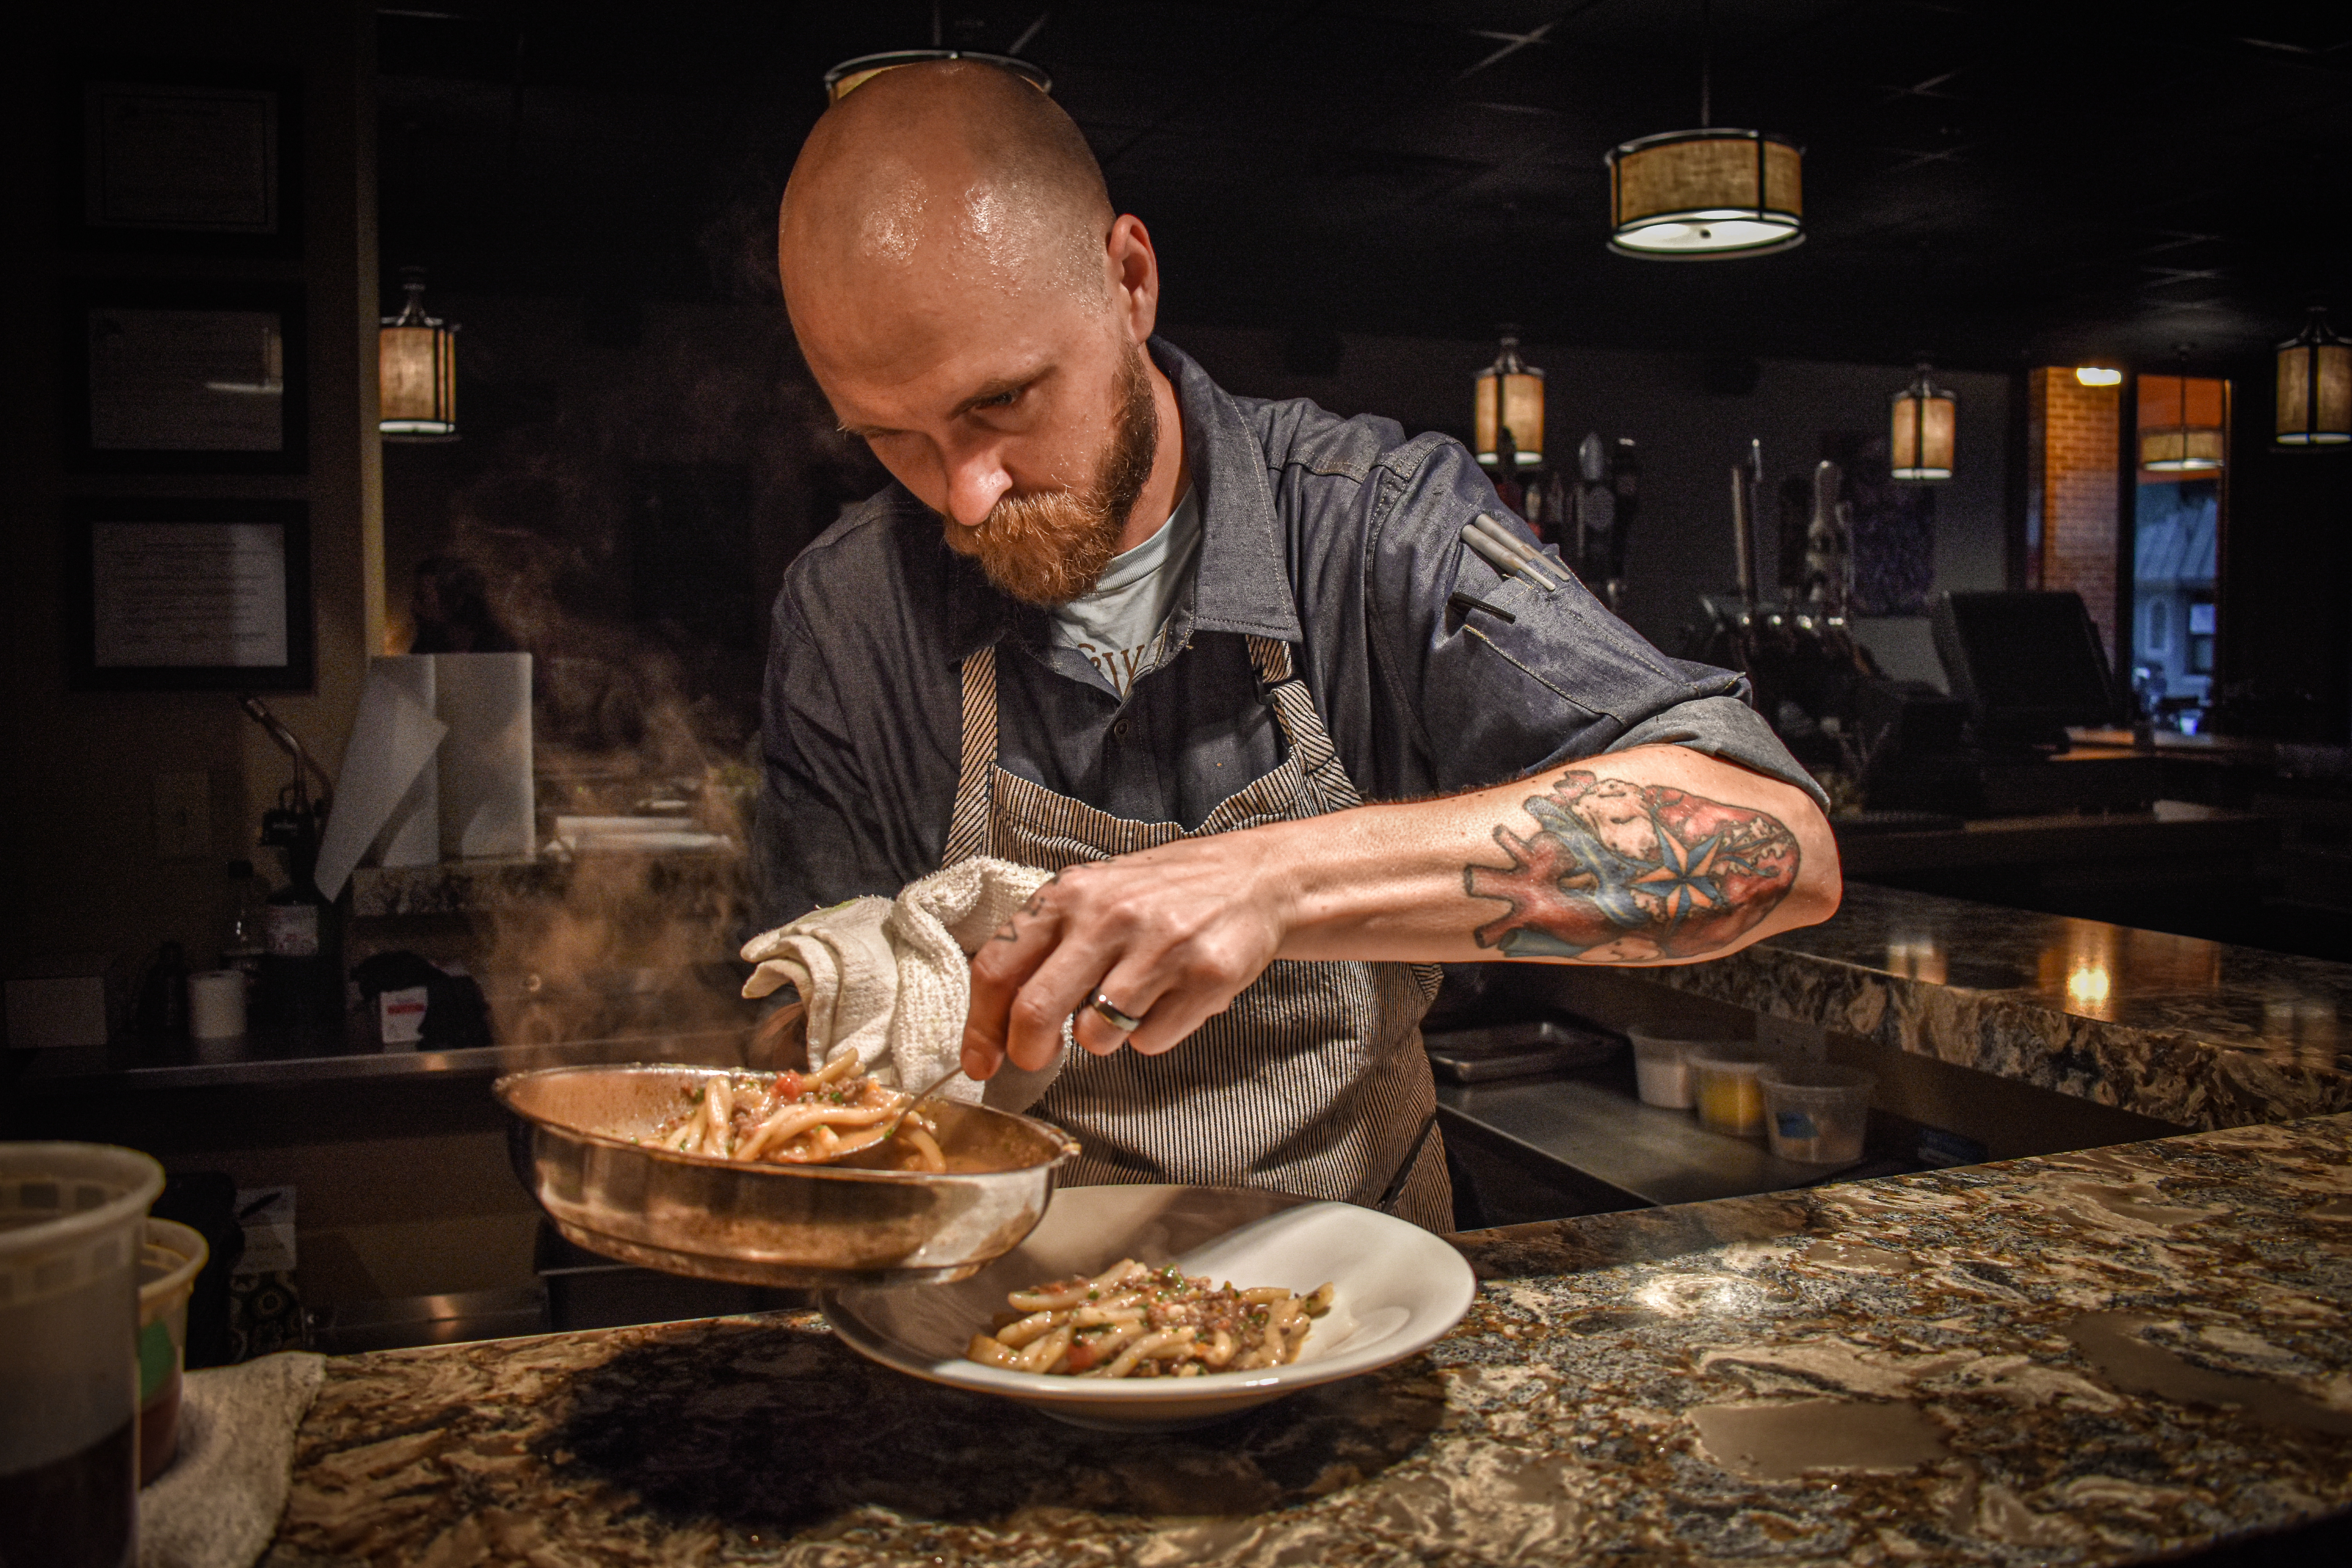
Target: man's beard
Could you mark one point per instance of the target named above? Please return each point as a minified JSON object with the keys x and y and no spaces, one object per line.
{"x":1048,"y":548}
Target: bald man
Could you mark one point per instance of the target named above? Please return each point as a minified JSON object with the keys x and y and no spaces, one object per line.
{"x":1117,"y":623}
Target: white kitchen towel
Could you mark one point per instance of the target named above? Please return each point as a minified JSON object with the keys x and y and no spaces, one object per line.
{"x":217,"y":1505}
{"x":892,"y":977}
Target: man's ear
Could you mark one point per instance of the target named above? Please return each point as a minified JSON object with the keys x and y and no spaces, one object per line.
{"x":1135,"y":273}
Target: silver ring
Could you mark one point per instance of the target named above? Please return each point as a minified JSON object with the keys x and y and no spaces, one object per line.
{"x":1126,"y":1024}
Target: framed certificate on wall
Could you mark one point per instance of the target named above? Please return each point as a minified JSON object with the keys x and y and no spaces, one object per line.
{"x":177,"y":157}
{"x":185,"y":378}
{"x":168,"y":595}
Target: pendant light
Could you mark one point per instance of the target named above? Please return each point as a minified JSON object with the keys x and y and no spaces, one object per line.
{"x":1925,"y":429}
{"x":1709,"y":193}
{"x":2181,"y":447}
{"x":2315,"y":386}
{"x":1507,"y":411}
{"x":416,"y":370}
{"x":850,"y":75}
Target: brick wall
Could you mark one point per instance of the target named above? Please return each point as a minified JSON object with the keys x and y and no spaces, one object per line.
{"x":2071,"y":479}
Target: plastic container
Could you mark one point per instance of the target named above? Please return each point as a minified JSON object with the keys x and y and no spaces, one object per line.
{"x":168,"y":1266}
{"x":1723,"y":1081}
{"x":70,"y":1219}
{"x":1816,"y":1112}
{"x":1661,"y":1058}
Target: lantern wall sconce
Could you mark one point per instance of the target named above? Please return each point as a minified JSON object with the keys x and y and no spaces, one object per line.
{"x":2315,"y":386}
{"x":416,"y":370}
{"x":1507,"y":411}
{"x":1925,"y":431}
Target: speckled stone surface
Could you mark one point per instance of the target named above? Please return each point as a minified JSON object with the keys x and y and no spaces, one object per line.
{"x":2082,"y":1359}
{"x":2195,"y":1033}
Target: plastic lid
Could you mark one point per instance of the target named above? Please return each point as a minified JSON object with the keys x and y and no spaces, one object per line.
{"x":1819,"y":1075}
{"x":69,"y":1214}
{"x":1732,"y":1058}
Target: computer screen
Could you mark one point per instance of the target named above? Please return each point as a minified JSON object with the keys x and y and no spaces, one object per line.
{"x":2028,"y":664}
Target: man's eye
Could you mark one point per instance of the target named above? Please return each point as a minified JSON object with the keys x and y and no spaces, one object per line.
{"x":1003,"y":399}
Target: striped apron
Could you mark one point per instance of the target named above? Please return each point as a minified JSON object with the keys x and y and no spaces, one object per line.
{"x":1312,"y":1081}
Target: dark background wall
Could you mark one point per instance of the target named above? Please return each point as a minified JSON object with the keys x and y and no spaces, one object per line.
{"x":637,"y":476}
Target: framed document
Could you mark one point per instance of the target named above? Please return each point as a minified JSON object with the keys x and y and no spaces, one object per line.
{"x":186,"y":378}
{"x":188,"y":595}
{"x":174,"y":157}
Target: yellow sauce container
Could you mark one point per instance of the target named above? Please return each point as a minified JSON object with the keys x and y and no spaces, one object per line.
{"x":1730,"y":1100}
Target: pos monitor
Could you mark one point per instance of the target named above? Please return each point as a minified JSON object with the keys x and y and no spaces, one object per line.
{"x":2027,"y":664}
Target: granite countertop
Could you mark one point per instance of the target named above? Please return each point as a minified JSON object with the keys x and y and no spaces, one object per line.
{"x":2086,"y":1358}
{"x":2195,"y":1033}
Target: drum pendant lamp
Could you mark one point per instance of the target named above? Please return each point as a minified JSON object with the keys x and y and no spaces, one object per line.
{"x":1705,"y":195}
{"x":2181,"y":447}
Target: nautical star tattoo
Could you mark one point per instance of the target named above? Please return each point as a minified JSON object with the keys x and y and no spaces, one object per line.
{"x":1641,"y":871}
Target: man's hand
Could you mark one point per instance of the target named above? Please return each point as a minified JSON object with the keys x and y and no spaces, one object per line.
{"x":1168,"y":936}
{"x":1659,"y":855}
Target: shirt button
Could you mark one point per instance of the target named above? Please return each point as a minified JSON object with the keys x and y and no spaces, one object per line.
{"x":1119,"y":728}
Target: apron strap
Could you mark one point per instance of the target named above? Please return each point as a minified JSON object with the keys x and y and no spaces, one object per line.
{"x":968,"y":834}
{"x":1302,"y":726}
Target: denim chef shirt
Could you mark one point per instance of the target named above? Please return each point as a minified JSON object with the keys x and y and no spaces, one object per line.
{"x":1337,"y":536}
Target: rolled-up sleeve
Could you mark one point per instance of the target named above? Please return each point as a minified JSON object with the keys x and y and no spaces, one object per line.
{"x":1527,"y":677}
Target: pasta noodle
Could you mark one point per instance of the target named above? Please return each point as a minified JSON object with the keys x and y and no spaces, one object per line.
{"x":1130,"y":1320}
{"x":801,"y":1118}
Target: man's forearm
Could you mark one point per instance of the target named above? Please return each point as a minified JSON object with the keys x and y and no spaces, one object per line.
{"x":1659,"y":855}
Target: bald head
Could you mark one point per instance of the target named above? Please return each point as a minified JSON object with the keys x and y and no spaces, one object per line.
{"x":950,"y":166}
{"x":976,"y":311}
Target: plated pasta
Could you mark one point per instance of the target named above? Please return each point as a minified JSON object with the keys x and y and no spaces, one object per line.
{"x":802,"y":1119}
{"x":1131,"y":1320}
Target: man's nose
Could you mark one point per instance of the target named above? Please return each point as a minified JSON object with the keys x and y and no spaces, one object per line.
{"x":977,"y":481}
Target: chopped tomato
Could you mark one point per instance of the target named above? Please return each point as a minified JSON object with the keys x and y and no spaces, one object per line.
{"x":1081,"y":1356}
{"x":787,"y":1086}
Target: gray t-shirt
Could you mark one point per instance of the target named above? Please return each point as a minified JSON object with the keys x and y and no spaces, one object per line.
{"x":1118,"y":624}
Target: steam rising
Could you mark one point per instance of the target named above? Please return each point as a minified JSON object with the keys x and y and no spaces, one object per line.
{"x":640,"y":709}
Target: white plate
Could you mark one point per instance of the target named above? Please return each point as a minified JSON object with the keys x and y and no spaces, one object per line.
{"x":1399,"y":1289}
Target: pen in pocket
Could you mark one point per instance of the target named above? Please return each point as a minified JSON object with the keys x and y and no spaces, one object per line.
{"x":1502,"y":550}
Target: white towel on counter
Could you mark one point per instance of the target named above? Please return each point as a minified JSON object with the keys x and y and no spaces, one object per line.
{"x":891,"y":978}
{"x":217,"y":1505}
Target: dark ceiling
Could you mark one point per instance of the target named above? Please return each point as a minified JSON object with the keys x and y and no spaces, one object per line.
{"x":1986,"y":183}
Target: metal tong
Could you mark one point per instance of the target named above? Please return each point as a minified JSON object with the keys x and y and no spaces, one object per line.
{"x":1506,"y":552}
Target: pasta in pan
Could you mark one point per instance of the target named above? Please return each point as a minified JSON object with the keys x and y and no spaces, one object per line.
{"x":1131,"y":1320}
{"x":801,"y":1118}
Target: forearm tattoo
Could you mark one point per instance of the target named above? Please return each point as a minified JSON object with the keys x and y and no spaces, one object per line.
{"x":1645,"y":870}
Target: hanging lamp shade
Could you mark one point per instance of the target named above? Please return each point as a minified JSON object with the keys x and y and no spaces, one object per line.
{"x":1705,"y":195}
{"x":850,"y":75}
{"x":416,"y":370}
{"x":2185,"y":444}
{"x":2315,"y":386}
{"x":1507,"y":411}
{"x":1924,"y":431}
